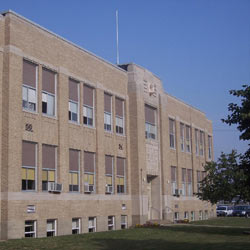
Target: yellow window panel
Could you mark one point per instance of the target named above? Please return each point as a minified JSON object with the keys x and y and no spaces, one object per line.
{"x":86,"y":178}
{"x":75,"y":179}
{"x":51,"y":175}
{"x":121,"y":181}
{"x":109,"y":180}
{"x":31,"y":174}
{"x":91,"y":179}
{"x":45,"y":175}
{"x":70,"y":178}
{"x":23,"y":173}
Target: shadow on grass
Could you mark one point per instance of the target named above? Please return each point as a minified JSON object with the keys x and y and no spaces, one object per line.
{"x":122,"y":244}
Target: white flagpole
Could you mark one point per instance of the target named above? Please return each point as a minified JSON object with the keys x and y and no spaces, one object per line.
{"x":117,"y":41}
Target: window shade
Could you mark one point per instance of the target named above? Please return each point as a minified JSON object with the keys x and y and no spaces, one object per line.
{"x":149,"y":114}
{"x":28,"y":154}
{"x":120,"y":166}
{"x":171,"y":126}
{"x":173,"y":174}
{"x":119,"y":107}
{"x":48,"y":156}
{"x":73,"y":90}
{"x":89,"y":164}
{"x":88,"y":96}
{"x":107,"y":102}
{"x":184,"y":175}
{"x":73,"y":160}
{"x":48,"y":81}
{"x":108,"y":164}
{"x":189,"y":175}
{"x":29,"y":74}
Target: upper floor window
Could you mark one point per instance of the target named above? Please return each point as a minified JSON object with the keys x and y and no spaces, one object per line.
{"x":48,"y":166}
{"x":172,"y":133}
{"x":89,"y":172}
{"x":107,"y":112}
{"x":88,"y":106}
{"x":189,"y":182}
{"x":74,"y":173}
{"x":109,"y":174}
{"x":201,"y":143}
{"x":182,"y":133}
{"x":188,"y":139}
{"x":199,"y":179}
{"x":29,"y":86}
{"x":196,"y":141}
{"x":184,"y":180}
{"x":28,"y":166}
{"x":73,"y":100}
{"x":209,"y":147}
{"x":119,"y":116}
{"x":150,"y":122}
{"x":120,"y":175}
{"x":48,"y":92}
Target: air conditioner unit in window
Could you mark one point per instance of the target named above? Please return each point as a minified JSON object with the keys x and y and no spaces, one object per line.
{"x":54,"y":187}
{"x":109,"y":189}
{"x":176,"y":192}
{"x":88,"y":188}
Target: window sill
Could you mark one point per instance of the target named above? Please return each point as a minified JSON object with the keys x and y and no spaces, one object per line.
{"x":50,"y":116}
{"x":90,"y":127}
{"x":28,"y":191}
{"x":30,"y":112}
{"x":74,"y":123}
{"x":173,"y":148}
{"x":121,"y":135}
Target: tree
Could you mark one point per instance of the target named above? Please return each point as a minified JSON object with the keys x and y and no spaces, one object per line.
{"x":229,"y":177}
{"x":224,"y":180}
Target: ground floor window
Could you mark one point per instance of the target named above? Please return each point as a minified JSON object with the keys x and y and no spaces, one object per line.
{"x":176,"y":216}
{"x":92,"y":224}
{"x":205,"y":214}
{"x":124,"y":221}
{"x":111,"y":222}
{"x":51,"y":228}
{"x":28,"y":178}
{"x":200,"y":215}
{"x":186,"y":217}
{"x":30,"y":229}
{"x":192,"y":216}
{"x":76,"y":224}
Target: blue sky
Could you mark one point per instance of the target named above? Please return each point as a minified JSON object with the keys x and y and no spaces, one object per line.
{"x":199,"y":48}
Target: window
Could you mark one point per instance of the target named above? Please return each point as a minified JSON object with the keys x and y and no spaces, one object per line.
{"x":30,"y":229}
{"x":107,"y":112}
{"x":190,"y":183}
{"x":196,"y":142}
{"x":76,"y":226}
{"x":73,"y":100}
{"x":176,"y":216}
{"x":89,"y":172}
{"x":201,"y":143}
{"x":48,"y":92}
{"x":186,"y":216}
{"x":150,"y":122}
{"x":92,"y":224}
{"x":51,"y":228}
{"x":206,"y":215}
{"x":182,"y":127}
{"x":124,"y":221}
{"x":172,"y":133}
{"x":28,"y":166}
{"x":48,"y":165}
{"x":119,"y":116}
{"x":74,"y":172}
{"x":192,"y":215}
{"x":120,"y":175}
{"x":109,"y":174}
{"x":111,"y":222}
{"x":173,"y":180}
{"x":88,"y":106}
{"x":188,"y":144}
{"x":198,"y":180}
{"x":184,"y":179}
{"x":29,"y":86}
{"x":200,"y":215}
{"x":210,"y":147}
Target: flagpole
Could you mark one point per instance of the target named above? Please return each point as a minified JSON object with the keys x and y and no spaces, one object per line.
{"x":117,"y":39}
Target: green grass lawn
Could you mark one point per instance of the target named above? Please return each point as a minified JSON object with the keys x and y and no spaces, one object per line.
{"x":176,"y":237}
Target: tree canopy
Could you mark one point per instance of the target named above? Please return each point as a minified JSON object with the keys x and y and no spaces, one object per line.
{"x":229,"y":177}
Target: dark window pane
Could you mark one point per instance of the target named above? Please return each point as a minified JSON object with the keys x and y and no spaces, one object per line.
{"x":44,"y":107}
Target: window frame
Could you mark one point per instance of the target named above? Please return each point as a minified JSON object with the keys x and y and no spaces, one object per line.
{"x":122,"y":118}
{"x":27,"y":89}
{"x":31,"y":232}
{"x":182,"y":136}
{"x":87,"y":173}
{"x":172,"y":135}
{"x":209,"y":147}
{"x":124,"y":225}
{"x":112,"y":178}
{"x":71,"y":174}
{"x":77,"y":229}
{"x":111,"y":226}
{"x":92,"y":227}
{"x":54,"y":232}
{"x":188,"y":139}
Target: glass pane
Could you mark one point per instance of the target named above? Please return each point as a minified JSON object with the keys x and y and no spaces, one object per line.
{"x":91,"y":179}
{"x":73,"y":107}
{"x":25,"y":93}
{"x":84,"y":111}
{"x":75,"y":179}
{"x":90,"y":113}
{"x":45,"y":175}
{"x":50,"y":104}
{"x":109,"y":180}
{"x":86,"y":178}
{"x":70,"y":178}
{"x":31,"y":174}
{"x":32,"y":95}
{"x":51,"y":175}
{"x":44,"y":97}
{"x":23,"y":173}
